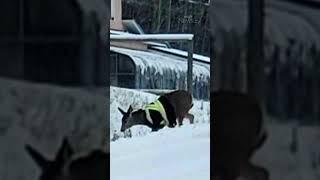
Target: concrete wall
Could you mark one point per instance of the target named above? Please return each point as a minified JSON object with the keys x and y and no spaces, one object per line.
{"x":116,"y":15}
{"x":130,"y":45}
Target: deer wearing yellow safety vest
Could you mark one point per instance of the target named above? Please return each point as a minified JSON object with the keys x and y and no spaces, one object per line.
{"x":163,"y":112}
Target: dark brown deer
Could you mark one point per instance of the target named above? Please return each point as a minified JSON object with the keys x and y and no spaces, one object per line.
{"x":64,"y":167}
{"x":237,"y":133}
{"x":176,"y":104}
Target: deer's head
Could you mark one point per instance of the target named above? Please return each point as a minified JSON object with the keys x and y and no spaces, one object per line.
{"x":52,"y":169}
{"x":125,"y":117}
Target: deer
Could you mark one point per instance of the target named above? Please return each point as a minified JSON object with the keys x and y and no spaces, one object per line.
{"x":64,"y":167}
{"x":238,"y":133}
{"x":175,"y":105}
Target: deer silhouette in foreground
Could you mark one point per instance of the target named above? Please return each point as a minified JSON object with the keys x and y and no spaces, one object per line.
{"x":176,"y":105}
{"x":93,"y":166}
{"x":237,"y":133}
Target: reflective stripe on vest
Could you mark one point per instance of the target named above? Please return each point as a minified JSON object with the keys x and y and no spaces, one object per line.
{"x":156,"y":106}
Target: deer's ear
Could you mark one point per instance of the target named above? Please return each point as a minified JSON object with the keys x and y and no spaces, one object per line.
{"x":122,"y":111}
{"x":65,"y":152}
{"x":42,"y":162}
{"x":130,"y":109}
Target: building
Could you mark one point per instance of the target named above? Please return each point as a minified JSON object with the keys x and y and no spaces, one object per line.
{"x":152,"y":65}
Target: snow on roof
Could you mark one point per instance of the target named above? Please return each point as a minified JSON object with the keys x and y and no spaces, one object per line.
{"x":145,"y":59}
{"x":155,"y":44}
{"x":183,"y":53}
{"x":114,"y":32}
{"x":159,"y":46}
{"x":129,"y":36}
{"x":118,"y":32}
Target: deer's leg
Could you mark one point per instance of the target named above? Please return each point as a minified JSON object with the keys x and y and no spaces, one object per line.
{"x":154,"y":130}
{"x":190,"y":117}
{"x":180,"y":119}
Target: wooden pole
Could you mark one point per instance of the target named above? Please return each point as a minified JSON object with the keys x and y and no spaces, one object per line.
{"x":190,"y":60}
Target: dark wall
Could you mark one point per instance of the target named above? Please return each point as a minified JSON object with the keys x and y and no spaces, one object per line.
{"x":9,"y":32}
{"x":51,"y":41}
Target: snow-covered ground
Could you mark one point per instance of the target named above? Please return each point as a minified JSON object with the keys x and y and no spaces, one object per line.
{"x":169,"y":154}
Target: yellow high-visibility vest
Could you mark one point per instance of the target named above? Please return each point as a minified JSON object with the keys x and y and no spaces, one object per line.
{"x":156,"y":106}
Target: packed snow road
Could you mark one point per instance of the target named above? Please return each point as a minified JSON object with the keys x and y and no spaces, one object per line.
{"x":169,"y":154}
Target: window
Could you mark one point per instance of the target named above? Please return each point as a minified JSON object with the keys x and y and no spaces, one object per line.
{"x":125,"y":64}
{"x":122,"y":71}
{"x":113,"y":64}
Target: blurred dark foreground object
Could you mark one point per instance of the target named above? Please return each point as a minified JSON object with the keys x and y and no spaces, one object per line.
{"x":61,"y":42}
{"x":237,"y":133}
{"x":94,"y":165}
{"x":42,"y":115}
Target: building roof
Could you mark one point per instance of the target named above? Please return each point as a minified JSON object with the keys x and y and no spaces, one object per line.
{"x":132,"y":26}
{"x":178,"y":52}
{"x":162,"y":62}
{"x":162,"y":47}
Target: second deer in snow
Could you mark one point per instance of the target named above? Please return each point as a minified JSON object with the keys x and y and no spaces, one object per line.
{"x":65,"y":167}
{"x":238,"y":132}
